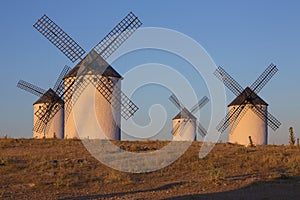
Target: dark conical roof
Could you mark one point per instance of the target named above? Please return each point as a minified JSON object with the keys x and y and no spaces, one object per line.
{"x":184,"y":114}
{"x":48,"y":97}
{"x":254,"y":98}
{"x":109,"y":71}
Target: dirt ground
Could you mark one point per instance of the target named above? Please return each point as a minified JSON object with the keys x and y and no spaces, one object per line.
{"x":64,"y":169}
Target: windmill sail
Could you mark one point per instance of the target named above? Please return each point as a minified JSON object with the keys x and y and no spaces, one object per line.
{"x":59,"y":38}
{"x":118,"y":35}
{"x":187,"y":115}
{"x":105,"y":48}
{"x":245,"y":97}
{"x":31,"y":88}
{"x":233,"y":85}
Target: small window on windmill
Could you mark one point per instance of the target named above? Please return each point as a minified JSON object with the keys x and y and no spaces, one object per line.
{"x":234,"y":108}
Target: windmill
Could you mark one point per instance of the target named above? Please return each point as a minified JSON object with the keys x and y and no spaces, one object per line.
{"x":53,"y":128}
{"x":248,"y":113}
{"x":184,"y":123}
{"x":91,"y":69}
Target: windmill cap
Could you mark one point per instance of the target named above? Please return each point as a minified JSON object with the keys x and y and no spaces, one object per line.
{"x":48,"y":97}
{"x":185,"y":114}
{"x":109,"y":70}
{"x":244,"y":96}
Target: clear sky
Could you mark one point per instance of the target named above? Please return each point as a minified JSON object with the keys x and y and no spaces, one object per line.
{"x":244,"y":37}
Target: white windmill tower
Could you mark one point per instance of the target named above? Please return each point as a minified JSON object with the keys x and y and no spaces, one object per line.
{"x":185,"y":125}
{"x":248,"y":114}
{"x":93,"y":74}
{"x":46,"y":127}
{"x":108,"y":117}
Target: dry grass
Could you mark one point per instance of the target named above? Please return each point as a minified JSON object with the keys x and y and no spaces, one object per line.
{"x":45,"y":169}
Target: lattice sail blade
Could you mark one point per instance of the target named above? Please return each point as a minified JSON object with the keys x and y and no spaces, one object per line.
{"x":48,"y":109}
{"x":238,"y":118}
{"x":229,"y":118}
{"x":31,"y":88}
{"x":175,"y":129}
{"x":42,"y":118}
{"x":115,"y":38}
{"x":72,"y":94}
{"x":176,"y":102}
{"x":42,"y":111}
{"x":200,"y":104}
{"x":266,"y":116}
{"x":233,"y":85}
{"x":91,"y":71}
{"x":115,"y":96}
{"x":183,"y":124}
{"x":59,"y":38}
{"x":45,"y":113}
{"x":201,"y":130}
{"x":223,"y":125}
{"x":264,"y":78}
{"x":52,"y":112}
{"x":75,"y":87}
{"x":109,"y":91}
{"x":59,"y":85}
{"x":178,"y":128}
{"x":40,"y":126}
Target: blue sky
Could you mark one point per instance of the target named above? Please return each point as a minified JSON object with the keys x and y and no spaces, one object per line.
{"x":244,"y":37}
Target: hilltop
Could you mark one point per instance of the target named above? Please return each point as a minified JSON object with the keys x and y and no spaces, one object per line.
{"x":63,"y":169}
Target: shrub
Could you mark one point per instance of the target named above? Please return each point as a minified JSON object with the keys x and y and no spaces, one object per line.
{"x":216,"y":173}
{"x":292,"y":137}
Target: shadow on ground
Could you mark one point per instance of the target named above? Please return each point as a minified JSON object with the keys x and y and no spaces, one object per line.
{"x":120,"y":194}
{"x":287,"y":188}
{"x":283,"y":188}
